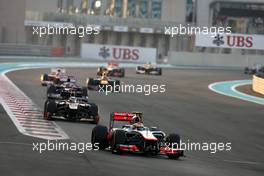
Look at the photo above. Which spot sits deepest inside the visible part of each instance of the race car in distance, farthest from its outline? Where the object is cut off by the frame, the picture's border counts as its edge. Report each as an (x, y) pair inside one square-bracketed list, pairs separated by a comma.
[(73, 109), (66, 90), (113, 70), (135, 137), (56, 76), (149, 69), (254, 69), (103, 82)]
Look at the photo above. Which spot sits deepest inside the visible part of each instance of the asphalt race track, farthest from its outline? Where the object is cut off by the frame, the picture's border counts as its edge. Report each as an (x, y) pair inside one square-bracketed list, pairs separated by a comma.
[(187, 107)]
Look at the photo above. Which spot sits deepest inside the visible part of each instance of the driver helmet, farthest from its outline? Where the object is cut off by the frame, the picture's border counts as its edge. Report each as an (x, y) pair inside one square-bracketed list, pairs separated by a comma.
[(137, 118), (58, 72)]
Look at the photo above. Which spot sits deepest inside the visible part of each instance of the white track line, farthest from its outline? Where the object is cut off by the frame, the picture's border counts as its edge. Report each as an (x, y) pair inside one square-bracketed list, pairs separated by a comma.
[(24, 108)]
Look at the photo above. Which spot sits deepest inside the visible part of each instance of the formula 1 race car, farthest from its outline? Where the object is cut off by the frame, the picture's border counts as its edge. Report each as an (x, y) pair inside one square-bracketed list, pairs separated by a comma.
[(74, 108), (103, 83), (113, 70), (254, 69), (56, 76), (135, 137), (66, 90), (149, 69)]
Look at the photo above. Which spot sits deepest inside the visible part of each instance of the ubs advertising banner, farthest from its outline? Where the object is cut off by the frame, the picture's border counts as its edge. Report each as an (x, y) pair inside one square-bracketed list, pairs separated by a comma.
[(118, 53), (238, 41)]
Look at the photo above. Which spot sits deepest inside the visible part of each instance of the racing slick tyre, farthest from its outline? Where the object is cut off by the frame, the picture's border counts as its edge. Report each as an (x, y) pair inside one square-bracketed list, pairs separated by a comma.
[(44, 77), (49, 109), (84, 91), (46, 115), (93, 112), (99, 135), (173, 139), (89, 83), (246, 70), (122, 70), (159, 71), (51, 89), (119, 138)]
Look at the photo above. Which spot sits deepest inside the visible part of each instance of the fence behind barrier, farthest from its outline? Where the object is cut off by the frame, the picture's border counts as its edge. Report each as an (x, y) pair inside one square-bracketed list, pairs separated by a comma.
[(30, 50)]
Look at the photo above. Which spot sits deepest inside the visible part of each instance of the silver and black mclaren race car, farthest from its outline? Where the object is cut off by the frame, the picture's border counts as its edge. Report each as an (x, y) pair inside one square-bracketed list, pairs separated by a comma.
[(134, 137), (73, 109), (112, 70), (56, 76), (149, 69)]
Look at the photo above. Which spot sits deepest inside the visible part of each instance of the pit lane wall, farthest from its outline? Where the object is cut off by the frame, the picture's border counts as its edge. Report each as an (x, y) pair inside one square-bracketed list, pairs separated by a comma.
[(213, 60), (258, 84)]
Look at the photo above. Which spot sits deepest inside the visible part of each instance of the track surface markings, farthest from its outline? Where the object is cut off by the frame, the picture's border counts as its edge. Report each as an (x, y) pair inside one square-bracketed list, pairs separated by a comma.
[(25, 114), (228, 88)]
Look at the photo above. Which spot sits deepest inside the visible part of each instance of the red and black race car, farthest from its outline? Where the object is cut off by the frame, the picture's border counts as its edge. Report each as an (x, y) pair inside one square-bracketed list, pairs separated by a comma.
[(56, 76), (113, 70), (133, 136)]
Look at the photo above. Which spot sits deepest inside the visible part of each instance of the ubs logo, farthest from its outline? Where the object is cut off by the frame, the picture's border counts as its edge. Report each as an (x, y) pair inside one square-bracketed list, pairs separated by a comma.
[(218, 40), (104, 52)]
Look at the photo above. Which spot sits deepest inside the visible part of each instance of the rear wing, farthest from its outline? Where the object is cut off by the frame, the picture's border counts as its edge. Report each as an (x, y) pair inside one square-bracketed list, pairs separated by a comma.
[(113, 64), (121, 116), (55, 70)]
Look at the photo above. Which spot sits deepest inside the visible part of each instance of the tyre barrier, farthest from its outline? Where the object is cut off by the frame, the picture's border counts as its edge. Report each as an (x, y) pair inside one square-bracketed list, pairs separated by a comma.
[(258, 84)]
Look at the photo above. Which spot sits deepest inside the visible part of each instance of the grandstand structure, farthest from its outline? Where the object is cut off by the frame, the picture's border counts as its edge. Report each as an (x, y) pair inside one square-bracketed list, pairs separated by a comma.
[(138, 23)]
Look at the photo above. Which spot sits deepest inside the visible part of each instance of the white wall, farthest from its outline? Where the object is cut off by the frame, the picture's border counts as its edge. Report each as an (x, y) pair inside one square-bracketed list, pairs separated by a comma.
[(216, 60)]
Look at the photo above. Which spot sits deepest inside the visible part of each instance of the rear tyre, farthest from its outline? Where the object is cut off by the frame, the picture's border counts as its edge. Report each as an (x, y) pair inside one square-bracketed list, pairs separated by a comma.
[(173, 139), (246, 70), (51, 89), (84, 91), (122, 72), (93, 110), (119, 138), (99, 137), (159, 71), (43, 78), (89, 83)]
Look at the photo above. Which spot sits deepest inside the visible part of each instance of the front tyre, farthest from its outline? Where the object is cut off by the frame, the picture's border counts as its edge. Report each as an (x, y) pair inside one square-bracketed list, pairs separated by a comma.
[(173, 139), (119, 138), (49, 108), (99, 136)]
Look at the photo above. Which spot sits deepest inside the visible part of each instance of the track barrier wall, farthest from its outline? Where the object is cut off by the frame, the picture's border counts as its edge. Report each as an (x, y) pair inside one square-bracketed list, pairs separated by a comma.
[(214, 60), (258, 84)]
